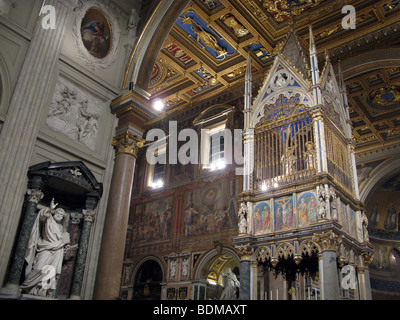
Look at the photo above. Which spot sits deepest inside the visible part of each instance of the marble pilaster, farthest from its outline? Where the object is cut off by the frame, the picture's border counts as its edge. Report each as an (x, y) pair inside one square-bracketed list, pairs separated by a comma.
[(23, 118)]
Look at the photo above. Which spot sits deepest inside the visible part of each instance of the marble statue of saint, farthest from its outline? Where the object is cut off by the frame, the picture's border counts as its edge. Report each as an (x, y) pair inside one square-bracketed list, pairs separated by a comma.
[(45, 252), (243, 218), (231, 284)]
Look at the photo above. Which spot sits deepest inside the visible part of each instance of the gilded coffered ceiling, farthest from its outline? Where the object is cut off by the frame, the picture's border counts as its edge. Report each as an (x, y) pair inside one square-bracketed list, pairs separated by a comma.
[(204, 54)]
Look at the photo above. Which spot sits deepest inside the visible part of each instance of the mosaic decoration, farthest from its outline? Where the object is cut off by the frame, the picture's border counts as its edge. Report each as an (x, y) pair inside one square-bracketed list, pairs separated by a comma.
[(205, 36), (307, 208)]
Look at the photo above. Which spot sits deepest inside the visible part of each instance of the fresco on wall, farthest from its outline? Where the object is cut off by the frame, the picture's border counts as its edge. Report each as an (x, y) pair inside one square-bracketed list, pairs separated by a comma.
[(152, 220), (284, 213), (262, 218), (383, 208), (211, 209), (307, 208), (96, 33)]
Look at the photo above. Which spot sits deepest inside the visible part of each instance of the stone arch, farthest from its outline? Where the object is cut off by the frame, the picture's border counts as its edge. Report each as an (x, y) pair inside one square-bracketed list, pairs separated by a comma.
[(263, 254), (147, 268), (380, 173), (374, 59), (308, 247), (149, 43), (210, 255), (209, 273), (285, 251)]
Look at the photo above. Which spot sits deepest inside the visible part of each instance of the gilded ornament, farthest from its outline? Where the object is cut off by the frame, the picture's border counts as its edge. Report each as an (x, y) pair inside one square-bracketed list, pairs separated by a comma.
[(128, 143), (327, 240)]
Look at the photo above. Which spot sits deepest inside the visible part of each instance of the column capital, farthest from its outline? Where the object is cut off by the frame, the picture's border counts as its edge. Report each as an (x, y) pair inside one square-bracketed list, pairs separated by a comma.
[(245, 251), (327, 240), (89, 215), (34, 195), (128, 143)]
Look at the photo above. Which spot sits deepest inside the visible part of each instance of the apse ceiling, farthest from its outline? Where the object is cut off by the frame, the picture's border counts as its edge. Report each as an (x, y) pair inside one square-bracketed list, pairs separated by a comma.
[(205, 53)]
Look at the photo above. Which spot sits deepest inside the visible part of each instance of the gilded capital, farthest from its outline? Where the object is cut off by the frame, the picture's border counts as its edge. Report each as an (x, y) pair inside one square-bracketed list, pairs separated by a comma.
[(244, 251), (128, 143), (327, 240)]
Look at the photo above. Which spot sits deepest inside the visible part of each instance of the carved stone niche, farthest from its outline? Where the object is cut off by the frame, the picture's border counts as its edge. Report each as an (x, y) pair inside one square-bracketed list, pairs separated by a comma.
[(73, 188)]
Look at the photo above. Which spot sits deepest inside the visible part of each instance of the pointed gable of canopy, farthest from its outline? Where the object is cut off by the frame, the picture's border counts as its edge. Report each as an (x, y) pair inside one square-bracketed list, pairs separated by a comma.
[(286, 81), (332, 98)]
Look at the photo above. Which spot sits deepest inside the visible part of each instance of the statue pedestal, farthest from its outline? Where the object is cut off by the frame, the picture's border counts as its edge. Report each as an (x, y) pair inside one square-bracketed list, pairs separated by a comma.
[(10, 292)]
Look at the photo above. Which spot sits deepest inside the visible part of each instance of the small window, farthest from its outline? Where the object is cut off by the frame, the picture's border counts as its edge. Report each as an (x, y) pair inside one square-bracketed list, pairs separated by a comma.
[(213, 147), (156, 171)]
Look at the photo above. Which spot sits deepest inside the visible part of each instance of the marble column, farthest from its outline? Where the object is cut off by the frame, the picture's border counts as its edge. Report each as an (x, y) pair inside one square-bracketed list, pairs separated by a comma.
[(109, 272), (328, 272), (245, 252), (363, 276), (34, 195), (253, 280), (19, 133), (79, 270)]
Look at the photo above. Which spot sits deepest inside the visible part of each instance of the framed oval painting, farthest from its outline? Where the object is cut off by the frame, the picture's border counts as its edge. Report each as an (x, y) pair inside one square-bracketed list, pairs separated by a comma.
[(96, 33)]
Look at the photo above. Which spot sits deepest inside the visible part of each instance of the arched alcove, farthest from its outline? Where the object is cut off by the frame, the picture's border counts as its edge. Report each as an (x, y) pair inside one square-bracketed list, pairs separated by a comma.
[(211, 273), (147, 280)]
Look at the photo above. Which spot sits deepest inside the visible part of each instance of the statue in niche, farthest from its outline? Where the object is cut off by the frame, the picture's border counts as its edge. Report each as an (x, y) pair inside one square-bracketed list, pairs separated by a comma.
[(243, 218), (185, 267), (45, 252), (172, 269), (333, 204), (231, 286), (310, 155), (322, 203), (288, 161)]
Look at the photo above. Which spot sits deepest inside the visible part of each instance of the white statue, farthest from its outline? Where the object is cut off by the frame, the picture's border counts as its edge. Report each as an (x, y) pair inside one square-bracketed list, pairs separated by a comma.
[(322, 203), (172, 269), (242, 215), (185, 267), (231, 284), (45, 252)]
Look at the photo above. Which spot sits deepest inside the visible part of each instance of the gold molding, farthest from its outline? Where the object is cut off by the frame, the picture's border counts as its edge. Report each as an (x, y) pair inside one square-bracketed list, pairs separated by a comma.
[(128, 143)]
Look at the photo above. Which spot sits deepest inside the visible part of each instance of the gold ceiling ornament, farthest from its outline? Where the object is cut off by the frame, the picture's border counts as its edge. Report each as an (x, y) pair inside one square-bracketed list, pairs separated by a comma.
[(385, 96), (231, 22), (128, 143), (281, 10), (327, 240)]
